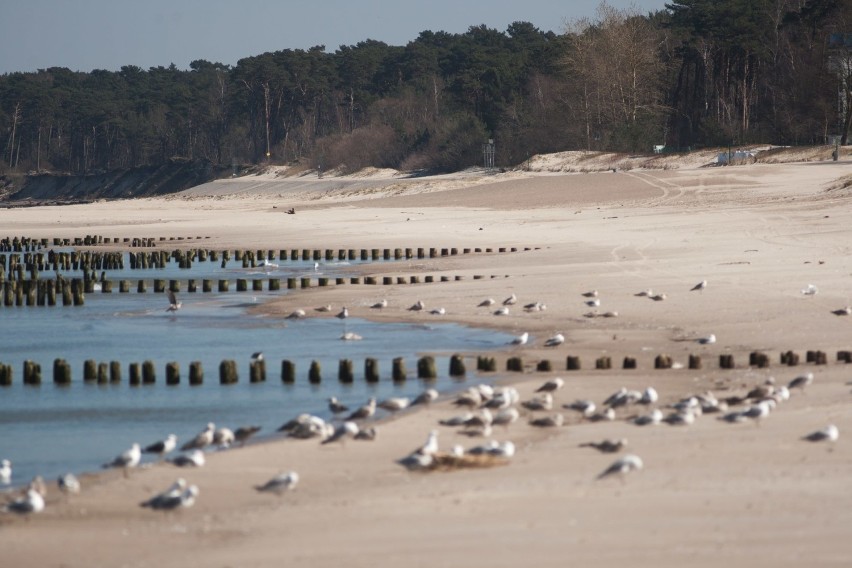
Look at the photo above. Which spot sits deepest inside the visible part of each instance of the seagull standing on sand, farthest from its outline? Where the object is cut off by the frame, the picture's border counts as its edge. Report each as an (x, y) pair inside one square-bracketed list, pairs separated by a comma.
[(243, 433), (32, 502), (202, 440), (699, 287), (417, 306), (366, 411), (127, 459), (487, 303), (607, 446), (557, 339), (325, 308), (280, 484), (380, 305), (5, 472), (68, 484), (162, 447), (511, 300), (174, 305), (623, 466), (552, 385), (430, 447), (195, 458), (521, 339), (801, 381)]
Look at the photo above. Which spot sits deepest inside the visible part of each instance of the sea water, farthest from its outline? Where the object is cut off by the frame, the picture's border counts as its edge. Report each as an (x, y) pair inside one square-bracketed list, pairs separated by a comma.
[(48, 430)]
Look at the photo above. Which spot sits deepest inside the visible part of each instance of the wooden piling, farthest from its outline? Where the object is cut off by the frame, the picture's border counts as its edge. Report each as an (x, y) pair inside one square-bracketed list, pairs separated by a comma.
[(196, 373), (90, 370), (726, 361), (629, 363), (228, 372), (515, 364), (572, 363), (344, 371), (5, 375), (399, 373), (103, 373), (457, 367), (242, 284), (149, 372), (288, 372), (115, 372), (32, 373), (371, 370), (603, 363), (694, 362), (223, 285), (315, 373), (544, 366), (257, 371), (663, 362), (426, 368), (61, 372)]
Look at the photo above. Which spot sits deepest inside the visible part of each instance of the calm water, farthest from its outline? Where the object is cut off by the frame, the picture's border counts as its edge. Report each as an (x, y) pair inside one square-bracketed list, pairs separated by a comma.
[(48, 430)]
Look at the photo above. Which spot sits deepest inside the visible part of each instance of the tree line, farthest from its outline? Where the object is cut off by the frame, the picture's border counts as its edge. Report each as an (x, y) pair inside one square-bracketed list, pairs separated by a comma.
[(698, 73)]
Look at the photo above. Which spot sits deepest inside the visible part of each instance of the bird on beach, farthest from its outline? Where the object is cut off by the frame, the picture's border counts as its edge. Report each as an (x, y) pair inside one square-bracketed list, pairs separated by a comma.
[(343, 314), (380, 305), (296, 314), (699, 287), (223, 438), (544, 402), (280, 484), (584, 407), (654, 418), (336, 406), (161, 447), (194, 458), (552, 385), (438, 311), (535, 307), (430, 446), (555, 420), (366, 411), (810, 290), (325, 308), (127, 459), (607, 446), (520, 339), (590, 294), (593, 303), (426, 397), (201, 440), (504, 311), (623, 466), (844, 311), (395, 404), (801, 381), (181, 500), (174, 490), (658, 297), (417, 306), (707, 340), (5, 472), (174, 305), (828, 434), (487, 303), (243, 433), (343, 431), (555, 340), (511, 300), (506, 417), (68, 484), (31, 502)]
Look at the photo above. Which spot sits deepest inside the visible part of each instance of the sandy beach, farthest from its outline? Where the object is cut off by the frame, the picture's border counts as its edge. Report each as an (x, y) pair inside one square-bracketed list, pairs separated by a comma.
[(711, 493)]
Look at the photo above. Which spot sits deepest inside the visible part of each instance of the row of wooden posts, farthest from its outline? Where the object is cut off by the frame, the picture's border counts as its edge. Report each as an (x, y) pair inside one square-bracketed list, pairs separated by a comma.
[(72, 292), (145, 373), (27, 244)]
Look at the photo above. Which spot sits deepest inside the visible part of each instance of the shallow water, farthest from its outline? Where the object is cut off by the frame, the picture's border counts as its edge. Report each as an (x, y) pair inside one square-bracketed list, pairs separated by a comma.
[(48, 429)]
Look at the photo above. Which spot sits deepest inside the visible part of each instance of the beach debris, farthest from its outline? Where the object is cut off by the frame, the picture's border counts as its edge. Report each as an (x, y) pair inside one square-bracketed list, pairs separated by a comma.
[(174, 305), (5, 472), (699, 287), (280, 484), (828, 434), (551, 385), (68, 484), (555, 340), (202, 439), (608, 446), (623, 466), (810, 290), (194, 458), (162, 447)]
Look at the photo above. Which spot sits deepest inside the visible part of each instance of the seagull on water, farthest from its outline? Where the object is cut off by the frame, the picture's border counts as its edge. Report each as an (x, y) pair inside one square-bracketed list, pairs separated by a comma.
[(194, 458), (557, 339), (5, 472), (68, 484), (202, 440), (699, 287), (31, 502), (623, 466), (828, 434), (174, 305), (162, 447), (280, 484), (521, 339)]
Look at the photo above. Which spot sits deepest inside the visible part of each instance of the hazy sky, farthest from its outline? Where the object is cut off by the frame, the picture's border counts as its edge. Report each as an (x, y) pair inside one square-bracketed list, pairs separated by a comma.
[(106, 34)]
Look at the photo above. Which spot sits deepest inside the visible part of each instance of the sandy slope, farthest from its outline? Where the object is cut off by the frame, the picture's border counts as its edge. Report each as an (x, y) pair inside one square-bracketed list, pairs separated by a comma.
[(711, 494)]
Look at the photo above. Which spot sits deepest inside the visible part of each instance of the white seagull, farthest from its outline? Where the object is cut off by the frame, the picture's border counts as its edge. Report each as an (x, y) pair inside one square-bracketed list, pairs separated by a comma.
[(174, 305), (551, 385), (426, 397), (173, 492), (828, 434), (430, 447), (223, 437), (194, 458), (296, 314), (5, 472), (202, 440), (521, 339), (343, 431), (438, 312), (380, 305), (488, 302), (511, 300), (810, 290), (336, 406), (68, 484), (700, 286), (162, 447), (127, 459), (708, 340), (504, 311), (417, 306), (623, 466), (395, 404), (557, 339), (801, 381), (366, 411), (32, 502), (183, 499), (280, 484)]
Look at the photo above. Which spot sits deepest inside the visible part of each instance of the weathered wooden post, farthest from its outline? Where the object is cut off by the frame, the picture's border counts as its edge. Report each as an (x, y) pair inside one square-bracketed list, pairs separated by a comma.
[(32, 373), (344, 371), (141, 287), (315, 373), (257, 285), (274, 284), (399, 371), (242, 285), (61, 372), (371, 370), (544, 366), (5, 375), (149, 372), (228, 372), (134, 370), (457, 367), (572, 363), (257, 371), (223, 285), (90, 370), (515, 364), (426, 368), (196, 373), (115, 371), (288, 372), (207, 285), (172, 373), (103, 373), (694, 361), (629, 363)]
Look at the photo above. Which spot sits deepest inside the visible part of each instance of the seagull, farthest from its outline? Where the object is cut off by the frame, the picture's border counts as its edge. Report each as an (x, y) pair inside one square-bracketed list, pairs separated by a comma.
[(658, 297), (830, 433), (645, 293), (504, 311), (557, 339), (174, 305), (68, 484), (351, 336), (426, 397), (551, 385), (336, 406), (243, 433), (548, 421), (257, 356), (380, 305), (127, 459), (365, 411), (194, 458), (623, 466), (417, 306), (417, 461), (801, 381), (845, 311), (430, 447), (202, 440), (590, 294), (607, 446), (5, 472), (326, 308), (368, 435), (585, 407), (649, 396), (223, 437), (520, 339), (708, 340), (810, 290), (183, 499), (280, 484), (173, 492), (162, 447), (511, 300), (438, 312), (486, 303), (700, 286), (593, 303), (545, 402), (506, 416), (535, 307), (348, 429), (32, 502), (654, 418), (343, 314), (456, 420), (296, 314), (395, 404)]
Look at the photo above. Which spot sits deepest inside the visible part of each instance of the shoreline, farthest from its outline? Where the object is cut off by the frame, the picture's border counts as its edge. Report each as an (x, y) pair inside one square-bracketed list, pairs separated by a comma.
[(711, 491)]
